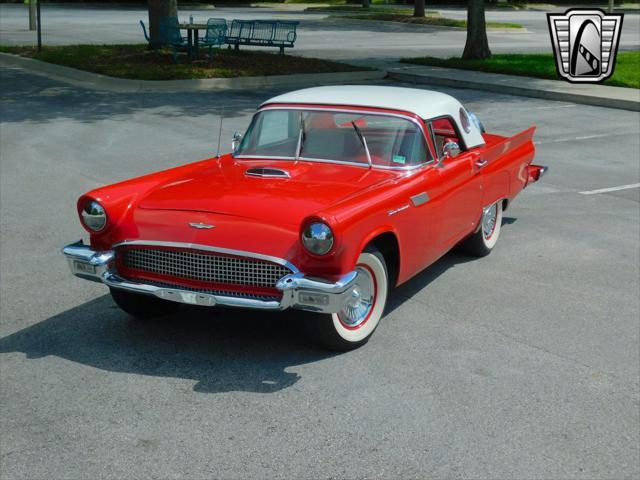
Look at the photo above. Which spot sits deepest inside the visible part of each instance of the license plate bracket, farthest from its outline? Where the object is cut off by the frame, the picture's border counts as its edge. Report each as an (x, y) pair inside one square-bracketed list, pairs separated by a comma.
[(83, 267)]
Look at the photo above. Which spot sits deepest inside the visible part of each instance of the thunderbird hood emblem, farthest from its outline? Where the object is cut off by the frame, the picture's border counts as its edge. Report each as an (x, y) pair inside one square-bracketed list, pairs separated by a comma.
[(201, 226)]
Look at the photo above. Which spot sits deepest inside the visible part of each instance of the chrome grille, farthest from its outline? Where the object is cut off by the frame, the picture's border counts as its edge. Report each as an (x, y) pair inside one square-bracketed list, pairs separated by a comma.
[(205, 267)]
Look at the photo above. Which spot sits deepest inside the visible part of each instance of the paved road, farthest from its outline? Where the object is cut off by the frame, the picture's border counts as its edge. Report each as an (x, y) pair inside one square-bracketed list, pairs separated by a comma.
[(334, 39), (524, 364)]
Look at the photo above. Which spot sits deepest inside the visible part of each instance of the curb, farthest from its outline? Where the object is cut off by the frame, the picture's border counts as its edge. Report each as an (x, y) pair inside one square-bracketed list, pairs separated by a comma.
[(596, 95), (96, 81)]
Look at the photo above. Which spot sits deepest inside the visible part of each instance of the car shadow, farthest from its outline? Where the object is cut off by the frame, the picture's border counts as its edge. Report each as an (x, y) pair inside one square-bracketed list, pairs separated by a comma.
[(423, 279), (222, 350)]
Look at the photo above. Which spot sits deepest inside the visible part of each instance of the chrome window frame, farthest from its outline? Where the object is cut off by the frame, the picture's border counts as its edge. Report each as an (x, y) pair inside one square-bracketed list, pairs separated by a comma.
[(434, 158), (456, 127)]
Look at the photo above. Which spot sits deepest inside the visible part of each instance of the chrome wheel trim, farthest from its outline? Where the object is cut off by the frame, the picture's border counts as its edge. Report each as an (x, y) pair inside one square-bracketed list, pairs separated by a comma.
[(358, 308), (489, 217)]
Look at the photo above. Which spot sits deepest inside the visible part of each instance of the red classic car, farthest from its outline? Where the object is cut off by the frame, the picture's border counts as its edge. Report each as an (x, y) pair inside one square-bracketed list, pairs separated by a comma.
[(333, 196)]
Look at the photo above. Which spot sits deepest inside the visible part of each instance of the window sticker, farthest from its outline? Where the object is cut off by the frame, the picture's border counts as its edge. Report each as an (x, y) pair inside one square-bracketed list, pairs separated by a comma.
[(399, 159)]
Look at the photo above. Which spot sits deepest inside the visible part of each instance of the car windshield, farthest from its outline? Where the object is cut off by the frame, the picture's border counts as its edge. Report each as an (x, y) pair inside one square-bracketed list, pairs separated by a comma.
[(334, 136)]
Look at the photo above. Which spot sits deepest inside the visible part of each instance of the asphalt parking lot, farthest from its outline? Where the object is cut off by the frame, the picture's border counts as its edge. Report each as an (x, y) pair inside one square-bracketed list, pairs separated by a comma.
[(523, 364)]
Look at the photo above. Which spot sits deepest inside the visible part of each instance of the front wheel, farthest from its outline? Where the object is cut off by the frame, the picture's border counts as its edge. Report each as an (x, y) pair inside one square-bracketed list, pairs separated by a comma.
[(355, 323), (482, 242)]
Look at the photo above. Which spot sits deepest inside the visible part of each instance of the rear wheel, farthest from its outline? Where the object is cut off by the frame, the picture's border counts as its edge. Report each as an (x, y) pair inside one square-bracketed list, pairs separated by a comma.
[(482, 242), (355, 323), (140, 305)]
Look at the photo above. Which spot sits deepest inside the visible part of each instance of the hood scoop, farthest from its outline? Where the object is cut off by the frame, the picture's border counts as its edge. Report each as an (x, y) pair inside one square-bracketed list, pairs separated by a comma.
[(267, 172)]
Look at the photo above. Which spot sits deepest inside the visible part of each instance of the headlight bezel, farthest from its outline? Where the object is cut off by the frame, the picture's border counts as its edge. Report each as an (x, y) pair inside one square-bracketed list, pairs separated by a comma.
[(93, 216), (317, 238)]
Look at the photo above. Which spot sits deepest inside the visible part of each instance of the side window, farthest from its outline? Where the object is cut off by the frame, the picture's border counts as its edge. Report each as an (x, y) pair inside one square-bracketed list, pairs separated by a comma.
[(444, 130)]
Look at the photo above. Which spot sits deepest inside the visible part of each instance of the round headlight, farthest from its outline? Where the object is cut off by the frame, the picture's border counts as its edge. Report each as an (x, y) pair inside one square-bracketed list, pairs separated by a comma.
[(93, 216), (317, 238)]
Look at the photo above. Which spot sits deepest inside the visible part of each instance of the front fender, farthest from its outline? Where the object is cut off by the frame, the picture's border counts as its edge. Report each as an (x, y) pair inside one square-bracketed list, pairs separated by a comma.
[(120, 199)]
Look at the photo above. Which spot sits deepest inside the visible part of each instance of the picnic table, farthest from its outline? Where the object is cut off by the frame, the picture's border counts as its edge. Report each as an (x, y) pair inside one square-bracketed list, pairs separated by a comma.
[(263, 33), (193, 38)]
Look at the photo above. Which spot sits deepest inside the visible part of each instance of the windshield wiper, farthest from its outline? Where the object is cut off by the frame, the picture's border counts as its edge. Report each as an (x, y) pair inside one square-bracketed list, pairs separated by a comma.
[(364, 143), (301, 138)]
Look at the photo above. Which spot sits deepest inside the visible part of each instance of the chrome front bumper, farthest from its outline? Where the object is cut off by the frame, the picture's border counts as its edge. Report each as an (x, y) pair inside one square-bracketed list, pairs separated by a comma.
[(298, 291)]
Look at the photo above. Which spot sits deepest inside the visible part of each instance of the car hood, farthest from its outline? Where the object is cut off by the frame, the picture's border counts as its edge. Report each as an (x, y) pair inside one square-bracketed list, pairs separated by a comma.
[(223, 187)]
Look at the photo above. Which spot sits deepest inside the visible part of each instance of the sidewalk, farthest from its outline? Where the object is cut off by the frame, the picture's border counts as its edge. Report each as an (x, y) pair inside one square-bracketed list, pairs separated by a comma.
[(587, 94)]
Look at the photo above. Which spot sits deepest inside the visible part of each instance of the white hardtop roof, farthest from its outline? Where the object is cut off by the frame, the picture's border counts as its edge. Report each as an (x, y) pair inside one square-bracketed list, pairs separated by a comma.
[(424, 103)]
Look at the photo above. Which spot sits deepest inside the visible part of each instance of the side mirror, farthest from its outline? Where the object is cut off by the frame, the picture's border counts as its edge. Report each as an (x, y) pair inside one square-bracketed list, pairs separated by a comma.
[(235, 141), (451, 150)]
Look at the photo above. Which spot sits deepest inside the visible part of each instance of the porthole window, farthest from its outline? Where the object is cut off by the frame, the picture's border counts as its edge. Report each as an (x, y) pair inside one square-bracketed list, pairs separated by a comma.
[(464, 120)]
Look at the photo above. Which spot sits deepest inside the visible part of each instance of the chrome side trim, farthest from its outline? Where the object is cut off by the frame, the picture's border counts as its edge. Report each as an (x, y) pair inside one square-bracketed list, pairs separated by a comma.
[(398, 210), (207, 248), (420, 199)]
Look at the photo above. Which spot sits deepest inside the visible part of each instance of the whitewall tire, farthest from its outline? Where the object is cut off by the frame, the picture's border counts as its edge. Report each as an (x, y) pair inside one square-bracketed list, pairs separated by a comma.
[(484, 240), (356, 322)]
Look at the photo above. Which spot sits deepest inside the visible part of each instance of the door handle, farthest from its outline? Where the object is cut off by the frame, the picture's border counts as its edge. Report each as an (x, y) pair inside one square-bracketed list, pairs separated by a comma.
[(481, 162)]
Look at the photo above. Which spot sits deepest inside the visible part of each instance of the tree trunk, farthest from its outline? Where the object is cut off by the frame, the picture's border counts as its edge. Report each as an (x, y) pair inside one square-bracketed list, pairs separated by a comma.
[(418, 9), (32, 14), (157, 10), (366, 3), (477, 46)]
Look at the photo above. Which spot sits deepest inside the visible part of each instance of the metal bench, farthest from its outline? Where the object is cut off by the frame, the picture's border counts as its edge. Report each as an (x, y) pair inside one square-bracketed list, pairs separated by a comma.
[(262, 33), (216, 34)]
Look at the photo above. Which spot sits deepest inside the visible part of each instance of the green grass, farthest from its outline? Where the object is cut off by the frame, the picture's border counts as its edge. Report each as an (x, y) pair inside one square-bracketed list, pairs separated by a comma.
[(428, 20), (539, 65), (138, 62)]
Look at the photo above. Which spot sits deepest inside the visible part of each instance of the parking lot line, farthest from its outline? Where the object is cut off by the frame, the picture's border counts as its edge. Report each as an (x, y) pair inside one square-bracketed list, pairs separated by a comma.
[(572, 139), (611, 189)]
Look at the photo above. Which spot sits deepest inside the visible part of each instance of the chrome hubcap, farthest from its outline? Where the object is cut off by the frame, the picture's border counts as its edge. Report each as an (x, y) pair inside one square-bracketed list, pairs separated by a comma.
[(358, 307), (489, 216)]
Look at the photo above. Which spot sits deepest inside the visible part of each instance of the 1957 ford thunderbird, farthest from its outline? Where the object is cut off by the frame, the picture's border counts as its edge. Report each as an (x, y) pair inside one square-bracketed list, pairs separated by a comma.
[(333, 196)]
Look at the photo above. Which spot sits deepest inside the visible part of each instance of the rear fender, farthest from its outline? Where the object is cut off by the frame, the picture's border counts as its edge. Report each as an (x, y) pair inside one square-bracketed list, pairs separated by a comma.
[(507, 164)]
